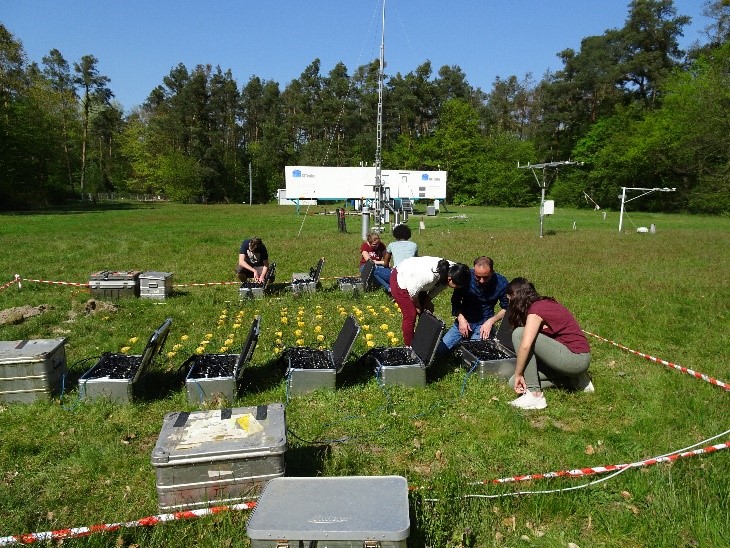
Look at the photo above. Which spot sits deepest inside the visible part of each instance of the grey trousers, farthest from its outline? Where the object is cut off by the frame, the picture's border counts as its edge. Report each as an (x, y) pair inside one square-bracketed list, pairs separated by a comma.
[(550, 361)]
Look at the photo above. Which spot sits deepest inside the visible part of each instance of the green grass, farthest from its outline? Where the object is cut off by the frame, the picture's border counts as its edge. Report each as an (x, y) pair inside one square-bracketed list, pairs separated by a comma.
[(67, 463)]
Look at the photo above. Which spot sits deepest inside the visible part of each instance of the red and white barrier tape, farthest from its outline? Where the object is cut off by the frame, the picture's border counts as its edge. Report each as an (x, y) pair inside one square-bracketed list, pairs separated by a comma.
[(56, 283), (580, 472), (15, 280), (76, 532), (206, 284), (678, 367)]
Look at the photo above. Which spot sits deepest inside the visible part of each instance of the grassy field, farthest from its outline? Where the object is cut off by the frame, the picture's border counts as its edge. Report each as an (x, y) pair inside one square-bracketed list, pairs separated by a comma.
[(67, 462)]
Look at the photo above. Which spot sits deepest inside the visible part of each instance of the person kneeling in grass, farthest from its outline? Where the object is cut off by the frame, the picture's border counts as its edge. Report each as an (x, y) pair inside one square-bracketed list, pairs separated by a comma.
[(551, 347)]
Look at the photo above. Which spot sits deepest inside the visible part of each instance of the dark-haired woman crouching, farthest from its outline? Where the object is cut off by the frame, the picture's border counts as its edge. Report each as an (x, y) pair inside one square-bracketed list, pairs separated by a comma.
[(551, 347)]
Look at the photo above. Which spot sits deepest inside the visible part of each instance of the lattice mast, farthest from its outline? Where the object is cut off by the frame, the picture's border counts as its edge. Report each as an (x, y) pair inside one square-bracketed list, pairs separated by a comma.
[(379, 190)]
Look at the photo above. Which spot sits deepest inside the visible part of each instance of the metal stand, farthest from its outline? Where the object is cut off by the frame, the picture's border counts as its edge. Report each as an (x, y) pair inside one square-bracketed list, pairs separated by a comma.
[(645, 191)]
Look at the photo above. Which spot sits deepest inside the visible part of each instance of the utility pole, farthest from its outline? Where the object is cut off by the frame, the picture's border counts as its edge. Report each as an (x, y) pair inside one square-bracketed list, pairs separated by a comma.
[(545, 181)]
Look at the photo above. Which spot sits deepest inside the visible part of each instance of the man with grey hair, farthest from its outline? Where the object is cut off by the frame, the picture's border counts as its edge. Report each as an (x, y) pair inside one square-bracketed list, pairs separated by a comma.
[(473, 305)]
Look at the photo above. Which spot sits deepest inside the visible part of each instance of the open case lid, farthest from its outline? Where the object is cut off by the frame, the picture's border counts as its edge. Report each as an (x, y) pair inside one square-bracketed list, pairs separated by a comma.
[(427, 336), (366, 275), (248, 348), (504, 334), (270, 275), (344, 343), (154, 346), (316, 272)]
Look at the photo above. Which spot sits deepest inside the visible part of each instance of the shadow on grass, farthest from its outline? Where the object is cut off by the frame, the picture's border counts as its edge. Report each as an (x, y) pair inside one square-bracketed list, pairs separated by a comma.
[(264, 377), (74, 208), (306, 460)]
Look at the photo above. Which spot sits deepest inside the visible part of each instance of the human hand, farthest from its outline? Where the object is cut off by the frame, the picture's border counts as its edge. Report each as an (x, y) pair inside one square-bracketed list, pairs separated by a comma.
[(485, 331), (520, 384), (464, 327)]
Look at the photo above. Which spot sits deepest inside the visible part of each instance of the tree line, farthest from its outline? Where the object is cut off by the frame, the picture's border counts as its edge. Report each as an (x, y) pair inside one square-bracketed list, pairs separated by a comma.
[(629, 105)]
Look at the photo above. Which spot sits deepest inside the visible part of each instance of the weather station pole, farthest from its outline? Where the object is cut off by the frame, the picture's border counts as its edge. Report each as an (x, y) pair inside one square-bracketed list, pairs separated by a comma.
[(545, 181), (644, 192), (379, 205)]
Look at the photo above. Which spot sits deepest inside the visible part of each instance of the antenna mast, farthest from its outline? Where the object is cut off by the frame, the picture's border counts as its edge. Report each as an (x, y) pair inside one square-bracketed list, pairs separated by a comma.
[(379, 198)]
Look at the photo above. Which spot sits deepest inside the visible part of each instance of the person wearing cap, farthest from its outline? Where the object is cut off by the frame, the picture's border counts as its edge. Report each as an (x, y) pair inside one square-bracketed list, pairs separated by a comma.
[(253, 260), (473, 306), (416, 281)]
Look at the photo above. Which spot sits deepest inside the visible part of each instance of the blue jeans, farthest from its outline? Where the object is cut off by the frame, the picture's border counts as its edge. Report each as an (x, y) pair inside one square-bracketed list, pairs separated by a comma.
[(453, 337), (381, 275)]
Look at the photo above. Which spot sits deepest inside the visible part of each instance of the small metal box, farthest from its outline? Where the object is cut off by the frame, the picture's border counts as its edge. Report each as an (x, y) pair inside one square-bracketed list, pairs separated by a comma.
[(489, 356), (206, 458), (332, 512), (212, 376), (108, 284), (407, 365), (303, 282), (354, 284), (155, 285), (256, 290), (114, 376), (31, 370), (311, 369)]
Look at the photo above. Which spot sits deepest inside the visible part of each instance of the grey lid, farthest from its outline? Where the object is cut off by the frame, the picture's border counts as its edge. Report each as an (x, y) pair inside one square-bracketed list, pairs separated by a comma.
[(344, 342), (318, 270), (247, 348), (155, 275), (366, 275), (214, 436), (28, 350), (427, 336), (332, 509), (154, 346)]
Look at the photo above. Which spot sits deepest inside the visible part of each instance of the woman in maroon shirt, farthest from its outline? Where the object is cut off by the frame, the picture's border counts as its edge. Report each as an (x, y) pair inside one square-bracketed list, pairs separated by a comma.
[(551, 347)]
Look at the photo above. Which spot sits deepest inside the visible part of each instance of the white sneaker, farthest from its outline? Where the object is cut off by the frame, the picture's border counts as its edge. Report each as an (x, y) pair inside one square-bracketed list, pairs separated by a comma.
[(583, 383), (528, 401)]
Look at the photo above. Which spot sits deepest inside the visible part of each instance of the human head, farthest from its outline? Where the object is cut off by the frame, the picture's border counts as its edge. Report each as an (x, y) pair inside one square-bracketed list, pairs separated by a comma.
[(456, 273), (521, 294), (372, 237), (401, 232), (254, 243), (483, 269)]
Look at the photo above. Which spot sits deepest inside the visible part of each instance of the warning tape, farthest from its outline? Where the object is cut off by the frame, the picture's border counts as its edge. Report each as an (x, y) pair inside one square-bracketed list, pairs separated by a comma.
[(206, 284), (678, 367), (56, 283), (580, 472), (15, 280), (76, 532)]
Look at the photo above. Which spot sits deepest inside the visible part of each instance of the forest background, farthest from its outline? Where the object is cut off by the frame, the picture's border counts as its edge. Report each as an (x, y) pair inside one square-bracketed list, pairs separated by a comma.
[(629, 104)]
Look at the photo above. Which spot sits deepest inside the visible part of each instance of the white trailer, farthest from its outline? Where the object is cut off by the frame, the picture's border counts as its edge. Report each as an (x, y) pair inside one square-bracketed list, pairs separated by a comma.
[(342, 183)]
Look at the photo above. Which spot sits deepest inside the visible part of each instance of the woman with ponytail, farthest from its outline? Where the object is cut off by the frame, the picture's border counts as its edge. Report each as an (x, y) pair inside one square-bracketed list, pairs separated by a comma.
[(551, 347), (417, 280)]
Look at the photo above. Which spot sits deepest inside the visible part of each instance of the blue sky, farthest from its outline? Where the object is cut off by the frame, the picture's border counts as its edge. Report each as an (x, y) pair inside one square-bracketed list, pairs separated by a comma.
[(137, 42)]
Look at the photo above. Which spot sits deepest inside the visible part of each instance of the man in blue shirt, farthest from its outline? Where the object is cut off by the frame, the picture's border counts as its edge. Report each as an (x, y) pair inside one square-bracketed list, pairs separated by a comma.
[(473, 305)]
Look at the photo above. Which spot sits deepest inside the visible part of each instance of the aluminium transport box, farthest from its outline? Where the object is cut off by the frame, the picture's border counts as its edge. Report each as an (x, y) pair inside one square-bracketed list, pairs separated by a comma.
[(31, 369), (332, 512), (114, 376), (310, 369), (358, 284), (109, 284), (207, 458), (490, 356), (405, 365), (155, 285), (213, 376), (256, 290), (303, 282)]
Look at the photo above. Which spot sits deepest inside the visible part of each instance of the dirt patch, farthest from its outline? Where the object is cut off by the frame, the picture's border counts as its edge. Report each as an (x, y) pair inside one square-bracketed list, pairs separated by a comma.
[(18, 314), (92, 306)]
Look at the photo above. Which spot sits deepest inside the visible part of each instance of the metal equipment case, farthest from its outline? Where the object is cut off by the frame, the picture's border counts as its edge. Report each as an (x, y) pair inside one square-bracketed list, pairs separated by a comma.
[(307, 282), (211, 376), (353, 284), (108, 284), (310, 368), (332, 512), (407, 365), (212, 457), (31, 370), (155, 285), (489, 356), (114, 376), (256, 290)]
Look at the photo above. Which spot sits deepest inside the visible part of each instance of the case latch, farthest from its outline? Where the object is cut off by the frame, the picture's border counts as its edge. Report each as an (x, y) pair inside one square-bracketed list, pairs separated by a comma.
[(371, 544)]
